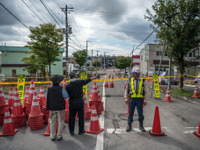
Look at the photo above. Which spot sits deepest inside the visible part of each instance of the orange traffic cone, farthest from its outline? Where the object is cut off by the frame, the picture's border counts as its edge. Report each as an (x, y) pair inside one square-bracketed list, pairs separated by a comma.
[(42, 96), (26, 95), (17, 107), (35, 118), (35, 108), (2, 98), (156, 130), (94, 93), (8, 127), (197, 134), (94, 123), (111, 84), (98, 93), (64, 83), (31, 91), (86, 109), (106, 84), (125, 85), (18, 116), (10, 98), (167, 97), (195, 95)]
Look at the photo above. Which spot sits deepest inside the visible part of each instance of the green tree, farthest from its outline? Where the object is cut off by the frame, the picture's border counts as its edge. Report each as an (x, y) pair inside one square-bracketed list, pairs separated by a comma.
[(178, 28), (80, 57), (122, 63), (96, 63), (45, 43)]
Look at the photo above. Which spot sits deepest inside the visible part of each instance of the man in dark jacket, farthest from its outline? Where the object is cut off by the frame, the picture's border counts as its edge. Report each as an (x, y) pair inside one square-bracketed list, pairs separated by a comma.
[(76, 102), (56, 105)]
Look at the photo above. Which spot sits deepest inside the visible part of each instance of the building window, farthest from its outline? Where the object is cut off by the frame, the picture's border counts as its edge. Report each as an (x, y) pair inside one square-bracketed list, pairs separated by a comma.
[(14, 72), (192, 54), (158, 53)]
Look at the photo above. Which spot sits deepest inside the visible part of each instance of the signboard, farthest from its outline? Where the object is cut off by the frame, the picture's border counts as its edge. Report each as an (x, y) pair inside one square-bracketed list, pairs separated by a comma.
[(156, 85), (20, 86), (84, 77)]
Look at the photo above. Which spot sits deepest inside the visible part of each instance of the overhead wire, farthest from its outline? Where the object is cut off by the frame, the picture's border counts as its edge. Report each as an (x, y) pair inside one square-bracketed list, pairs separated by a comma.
[(13, 15), (32, 10), (38, 11), (50, 13)]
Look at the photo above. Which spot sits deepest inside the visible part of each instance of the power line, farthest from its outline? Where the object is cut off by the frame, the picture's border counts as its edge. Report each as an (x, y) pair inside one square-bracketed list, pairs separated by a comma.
[(38, 10), (14, 15), (50, 13), (32, 10), (74, 47), (75, 43), (146, 38)]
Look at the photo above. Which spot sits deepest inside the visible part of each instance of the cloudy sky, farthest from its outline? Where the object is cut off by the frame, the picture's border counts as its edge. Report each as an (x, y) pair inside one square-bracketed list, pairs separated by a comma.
[(113, 26)]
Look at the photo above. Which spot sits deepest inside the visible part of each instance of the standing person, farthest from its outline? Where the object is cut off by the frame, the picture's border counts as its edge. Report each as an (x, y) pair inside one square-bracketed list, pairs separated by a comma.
[(56, 105), (76, 102), (135, 90)]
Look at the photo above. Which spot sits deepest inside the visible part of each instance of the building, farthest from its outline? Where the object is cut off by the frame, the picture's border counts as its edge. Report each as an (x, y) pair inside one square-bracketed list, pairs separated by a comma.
[(150, 59), (12, 64)]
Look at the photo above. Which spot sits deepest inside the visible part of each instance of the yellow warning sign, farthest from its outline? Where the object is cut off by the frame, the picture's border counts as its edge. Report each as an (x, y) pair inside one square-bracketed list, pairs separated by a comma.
[(20, 87), (156, 85), (84, 77)]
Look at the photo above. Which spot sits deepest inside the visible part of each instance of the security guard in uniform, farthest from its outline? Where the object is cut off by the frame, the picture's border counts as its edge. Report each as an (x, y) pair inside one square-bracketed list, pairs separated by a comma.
[(135, 90)]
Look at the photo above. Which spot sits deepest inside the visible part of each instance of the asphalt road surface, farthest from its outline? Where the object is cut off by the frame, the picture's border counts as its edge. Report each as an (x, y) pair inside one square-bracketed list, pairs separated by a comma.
[(178, 119)]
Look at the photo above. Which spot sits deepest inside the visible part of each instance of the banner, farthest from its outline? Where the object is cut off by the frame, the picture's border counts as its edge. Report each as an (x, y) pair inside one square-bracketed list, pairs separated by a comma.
[(20, 86), (84, 77), (156, 85)]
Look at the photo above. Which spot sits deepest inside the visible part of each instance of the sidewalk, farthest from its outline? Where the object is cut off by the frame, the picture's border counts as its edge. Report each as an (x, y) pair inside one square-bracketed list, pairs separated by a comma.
[(185, 98)]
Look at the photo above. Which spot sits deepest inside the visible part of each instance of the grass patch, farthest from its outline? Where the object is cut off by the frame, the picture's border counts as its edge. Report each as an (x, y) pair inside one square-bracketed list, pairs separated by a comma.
[(182, 93)]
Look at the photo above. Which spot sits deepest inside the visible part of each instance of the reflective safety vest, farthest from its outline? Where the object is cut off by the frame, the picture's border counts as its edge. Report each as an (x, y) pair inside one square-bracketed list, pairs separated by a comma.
[(134, 95)]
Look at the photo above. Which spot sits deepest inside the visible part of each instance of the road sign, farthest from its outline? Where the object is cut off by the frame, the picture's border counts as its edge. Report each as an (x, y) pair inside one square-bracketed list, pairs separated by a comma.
[(156, 85), (20, 86), (84, 77)]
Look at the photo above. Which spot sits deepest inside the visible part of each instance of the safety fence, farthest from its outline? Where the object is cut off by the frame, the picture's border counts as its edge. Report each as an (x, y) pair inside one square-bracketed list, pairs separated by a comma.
[(188, 79)]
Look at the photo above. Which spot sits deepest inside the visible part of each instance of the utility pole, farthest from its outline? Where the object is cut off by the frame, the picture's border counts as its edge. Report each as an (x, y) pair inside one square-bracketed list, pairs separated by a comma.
[(87, 46), (161, 57), (104, 60), (169, 81), (65, 10), (97, 60)]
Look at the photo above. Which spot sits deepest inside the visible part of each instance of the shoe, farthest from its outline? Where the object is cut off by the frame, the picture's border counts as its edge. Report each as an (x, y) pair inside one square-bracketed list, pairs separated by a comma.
[(129, 128), (81, 132), (141, 127), (53, 139), (59, 139), (72, 133)]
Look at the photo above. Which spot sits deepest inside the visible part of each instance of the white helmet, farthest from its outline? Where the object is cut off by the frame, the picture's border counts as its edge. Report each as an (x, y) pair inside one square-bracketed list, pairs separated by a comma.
[(135, 70)]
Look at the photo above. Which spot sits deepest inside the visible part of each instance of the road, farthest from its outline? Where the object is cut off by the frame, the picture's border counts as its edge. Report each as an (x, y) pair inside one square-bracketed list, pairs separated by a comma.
[(178, 119)]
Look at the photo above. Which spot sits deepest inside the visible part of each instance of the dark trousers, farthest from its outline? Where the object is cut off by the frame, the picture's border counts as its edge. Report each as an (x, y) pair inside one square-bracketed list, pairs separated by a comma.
[(139, 103), (73, 110)]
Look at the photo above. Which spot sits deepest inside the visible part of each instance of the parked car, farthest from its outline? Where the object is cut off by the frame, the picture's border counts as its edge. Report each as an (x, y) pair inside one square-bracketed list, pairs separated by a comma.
[(197, 80), (165, 81)]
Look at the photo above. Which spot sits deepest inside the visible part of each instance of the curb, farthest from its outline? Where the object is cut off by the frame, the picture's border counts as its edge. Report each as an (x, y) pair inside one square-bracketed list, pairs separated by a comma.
[(180, 97)]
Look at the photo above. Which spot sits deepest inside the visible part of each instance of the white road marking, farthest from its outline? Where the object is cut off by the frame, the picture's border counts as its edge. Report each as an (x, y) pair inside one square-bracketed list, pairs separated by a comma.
[(100, 136), (136, 130)]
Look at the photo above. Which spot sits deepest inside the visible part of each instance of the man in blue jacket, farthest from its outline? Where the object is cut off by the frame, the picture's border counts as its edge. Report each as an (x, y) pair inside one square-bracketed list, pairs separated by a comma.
[(56, 106), (76, 102)]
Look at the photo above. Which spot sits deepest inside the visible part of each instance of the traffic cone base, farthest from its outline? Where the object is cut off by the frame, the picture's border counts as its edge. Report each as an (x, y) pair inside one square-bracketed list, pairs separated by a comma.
[(196, 134), (156, 134), (10, 134), (95, 132)]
